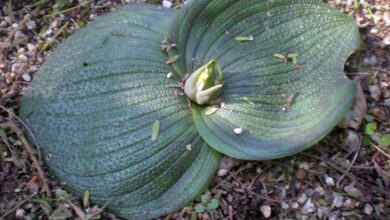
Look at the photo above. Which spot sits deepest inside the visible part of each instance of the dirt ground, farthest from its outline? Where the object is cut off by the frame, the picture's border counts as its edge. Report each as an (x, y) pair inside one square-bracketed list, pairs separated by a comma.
[(345, 176)]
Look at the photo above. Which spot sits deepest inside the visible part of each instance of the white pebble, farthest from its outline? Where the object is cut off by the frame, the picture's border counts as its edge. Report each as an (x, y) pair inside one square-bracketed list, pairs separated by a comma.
[(338, 202), (321, 211), (26, 77), (169, 75), (31, 47), (308, 207), (320, 190), (284, 205), (332, 216), (386, 41), (31, 25), (304, 165), (189, 146), (238, 130), (222, 172), (20, 213), (167, 4), (22, 57), (266, 211), (348, 204), (329, 180), (302, 198), (368, 209)]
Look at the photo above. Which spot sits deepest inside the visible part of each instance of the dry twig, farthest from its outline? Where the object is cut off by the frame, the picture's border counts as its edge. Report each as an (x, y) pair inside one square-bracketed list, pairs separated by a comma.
[(77, 210), (19, 133), (351, 164), (12, 115), (20, 203), (381, 151)]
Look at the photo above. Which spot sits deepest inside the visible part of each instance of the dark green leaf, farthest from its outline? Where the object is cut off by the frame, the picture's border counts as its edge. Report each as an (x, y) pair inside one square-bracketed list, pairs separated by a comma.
[(213, 204), (366, 142), (199, 208), (112, 72), (369, 118), (370, 128), (322, 39), (205, 197), (384, 141)]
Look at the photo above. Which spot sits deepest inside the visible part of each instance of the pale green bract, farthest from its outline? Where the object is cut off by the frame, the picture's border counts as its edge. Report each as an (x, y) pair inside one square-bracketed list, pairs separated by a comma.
[(110, 122)]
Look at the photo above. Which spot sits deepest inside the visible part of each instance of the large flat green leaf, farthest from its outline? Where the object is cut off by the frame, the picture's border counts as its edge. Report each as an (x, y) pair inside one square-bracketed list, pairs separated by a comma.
[(92, 108), (282, 108)]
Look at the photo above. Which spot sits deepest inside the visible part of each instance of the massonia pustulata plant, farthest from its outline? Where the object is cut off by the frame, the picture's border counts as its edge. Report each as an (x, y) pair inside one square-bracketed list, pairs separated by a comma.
[(138, 107)]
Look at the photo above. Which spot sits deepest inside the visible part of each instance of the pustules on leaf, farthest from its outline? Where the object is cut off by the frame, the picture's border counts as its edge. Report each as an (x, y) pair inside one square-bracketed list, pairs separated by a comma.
[(167, 153), (205, 84)]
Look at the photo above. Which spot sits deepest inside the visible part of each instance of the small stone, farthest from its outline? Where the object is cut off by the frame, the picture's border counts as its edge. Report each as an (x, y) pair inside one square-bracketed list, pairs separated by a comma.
[(19, 35), (386, 18), (20, 213), (368, 209), (285, 206), (329, 180), (384, 84), (373, 60), (26, 77), (3, 24), (352, 141), (332, 216), (238, 130), (48, 32), (375, 92), (304, 165), (308, 207), (386, 41), (300, 174), (320, 190), (31, 47), (31, 25), (17, 190), (167, 4), (353, 191), (374, 30), (189, 146), (222, 172), (16, 68), (15, 25), (309, 192), (348, 204), (338, 202), (302, 199), (294, 205), (22, 57), (266, 211), (169, 75), (321, 211)]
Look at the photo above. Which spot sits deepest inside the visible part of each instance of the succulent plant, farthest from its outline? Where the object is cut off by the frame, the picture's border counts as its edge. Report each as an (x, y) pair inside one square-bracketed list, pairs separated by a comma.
[(137, 107)]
